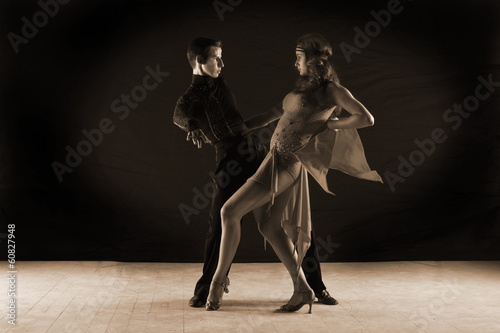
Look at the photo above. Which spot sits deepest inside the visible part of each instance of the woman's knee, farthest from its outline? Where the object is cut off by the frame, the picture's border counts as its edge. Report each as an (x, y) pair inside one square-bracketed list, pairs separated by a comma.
[(229, 214)]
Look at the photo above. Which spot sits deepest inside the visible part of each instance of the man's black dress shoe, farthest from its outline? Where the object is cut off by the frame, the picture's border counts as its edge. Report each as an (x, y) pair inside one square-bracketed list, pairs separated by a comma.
[(325, 298), (197, 302)]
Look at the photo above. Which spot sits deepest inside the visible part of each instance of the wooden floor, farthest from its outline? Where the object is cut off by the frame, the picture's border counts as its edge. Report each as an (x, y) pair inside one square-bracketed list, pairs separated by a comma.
[(152, 297)]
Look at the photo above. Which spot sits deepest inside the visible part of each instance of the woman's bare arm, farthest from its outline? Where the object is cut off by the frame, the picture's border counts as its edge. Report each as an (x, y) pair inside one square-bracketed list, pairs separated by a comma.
[(360, 117)]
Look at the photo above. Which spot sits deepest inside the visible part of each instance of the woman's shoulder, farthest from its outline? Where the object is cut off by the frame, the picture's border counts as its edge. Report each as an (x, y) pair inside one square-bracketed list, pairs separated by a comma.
[(292, 95), (327, 92), (333, 92), (333, 87)]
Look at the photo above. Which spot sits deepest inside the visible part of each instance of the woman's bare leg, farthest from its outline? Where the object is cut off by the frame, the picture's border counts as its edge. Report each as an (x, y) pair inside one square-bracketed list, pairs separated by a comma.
[(270, 228), (249, 197)]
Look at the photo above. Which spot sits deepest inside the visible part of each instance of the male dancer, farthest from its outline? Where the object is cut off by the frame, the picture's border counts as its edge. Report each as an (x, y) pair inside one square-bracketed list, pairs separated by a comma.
[(207, 111)]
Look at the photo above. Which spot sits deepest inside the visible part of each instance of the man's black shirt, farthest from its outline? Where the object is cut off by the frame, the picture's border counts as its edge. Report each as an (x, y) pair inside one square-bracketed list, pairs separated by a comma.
[(209, 105)]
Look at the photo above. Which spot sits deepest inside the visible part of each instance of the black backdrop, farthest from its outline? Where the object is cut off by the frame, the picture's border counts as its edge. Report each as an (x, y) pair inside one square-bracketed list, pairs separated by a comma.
[(67, 74)]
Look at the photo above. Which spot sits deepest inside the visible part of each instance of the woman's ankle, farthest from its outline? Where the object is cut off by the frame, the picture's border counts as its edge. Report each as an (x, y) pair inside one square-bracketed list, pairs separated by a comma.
[(218, 280), (302, 287)]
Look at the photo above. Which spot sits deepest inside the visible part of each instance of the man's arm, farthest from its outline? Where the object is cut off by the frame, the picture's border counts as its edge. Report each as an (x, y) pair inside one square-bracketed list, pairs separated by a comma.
[(183, 114), (360, 116), (183, 117), (263, 119)]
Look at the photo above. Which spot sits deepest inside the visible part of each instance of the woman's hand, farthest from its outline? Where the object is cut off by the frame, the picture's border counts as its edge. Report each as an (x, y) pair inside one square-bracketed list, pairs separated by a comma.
[(331, 124)]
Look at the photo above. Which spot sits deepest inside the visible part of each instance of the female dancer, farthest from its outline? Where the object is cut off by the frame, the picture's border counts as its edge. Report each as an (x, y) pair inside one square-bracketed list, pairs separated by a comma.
[(298, 144)]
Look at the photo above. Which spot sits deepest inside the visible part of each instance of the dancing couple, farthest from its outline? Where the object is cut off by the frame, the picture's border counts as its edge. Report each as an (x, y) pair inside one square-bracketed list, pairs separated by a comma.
[(309, 138)]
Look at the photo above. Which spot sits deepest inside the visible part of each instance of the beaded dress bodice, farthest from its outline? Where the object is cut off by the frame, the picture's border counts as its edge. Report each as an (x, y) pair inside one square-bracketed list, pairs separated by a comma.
[(300, 121)]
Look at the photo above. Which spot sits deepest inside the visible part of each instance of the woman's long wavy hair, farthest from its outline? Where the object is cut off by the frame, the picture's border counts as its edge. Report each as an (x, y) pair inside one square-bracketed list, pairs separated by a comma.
[(319, 59)]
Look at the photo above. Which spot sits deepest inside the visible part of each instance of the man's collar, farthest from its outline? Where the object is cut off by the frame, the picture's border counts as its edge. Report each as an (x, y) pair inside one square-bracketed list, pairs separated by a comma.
[(202, 80)]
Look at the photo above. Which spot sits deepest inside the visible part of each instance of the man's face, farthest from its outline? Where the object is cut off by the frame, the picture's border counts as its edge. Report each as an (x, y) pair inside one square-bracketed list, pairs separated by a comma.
[(300, 63), (213, 64)]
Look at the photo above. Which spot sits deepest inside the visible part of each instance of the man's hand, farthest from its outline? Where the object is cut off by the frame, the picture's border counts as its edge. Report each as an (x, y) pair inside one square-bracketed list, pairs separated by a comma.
[(198, 137)]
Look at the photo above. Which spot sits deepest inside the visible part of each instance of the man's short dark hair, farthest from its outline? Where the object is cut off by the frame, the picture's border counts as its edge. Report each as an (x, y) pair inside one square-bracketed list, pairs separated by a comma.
[(199, 47)]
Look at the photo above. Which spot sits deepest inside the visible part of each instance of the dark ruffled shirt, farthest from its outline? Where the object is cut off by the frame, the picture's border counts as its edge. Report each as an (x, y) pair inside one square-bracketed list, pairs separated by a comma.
[(209, 105)]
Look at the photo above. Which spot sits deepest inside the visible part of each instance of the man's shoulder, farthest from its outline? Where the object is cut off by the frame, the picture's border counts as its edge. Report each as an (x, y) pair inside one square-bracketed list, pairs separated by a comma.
[(189, 97), (221, 81)]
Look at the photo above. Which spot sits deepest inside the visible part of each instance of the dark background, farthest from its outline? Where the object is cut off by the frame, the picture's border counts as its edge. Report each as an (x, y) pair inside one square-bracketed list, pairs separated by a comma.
[(122, 201)]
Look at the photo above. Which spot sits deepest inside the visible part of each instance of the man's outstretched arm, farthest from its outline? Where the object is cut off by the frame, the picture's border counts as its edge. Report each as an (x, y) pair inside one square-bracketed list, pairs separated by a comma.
[(183, 119), (263, 119)]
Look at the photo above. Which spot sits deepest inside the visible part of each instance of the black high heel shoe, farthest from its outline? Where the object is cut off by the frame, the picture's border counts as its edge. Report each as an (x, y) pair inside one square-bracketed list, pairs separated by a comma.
[(217, 288), (307, 298)]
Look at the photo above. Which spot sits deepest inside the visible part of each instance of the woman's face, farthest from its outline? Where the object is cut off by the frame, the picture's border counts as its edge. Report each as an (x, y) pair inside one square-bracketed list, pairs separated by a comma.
[(300, 63)]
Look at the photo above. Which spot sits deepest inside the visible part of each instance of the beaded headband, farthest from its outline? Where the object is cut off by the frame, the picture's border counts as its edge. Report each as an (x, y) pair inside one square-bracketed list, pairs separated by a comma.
[(311, 51)]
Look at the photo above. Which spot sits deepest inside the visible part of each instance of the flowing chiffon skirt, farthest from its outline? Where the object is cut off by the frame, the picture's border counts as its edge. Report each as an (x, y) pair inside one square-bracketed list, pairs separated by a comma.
[(341, 150)]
